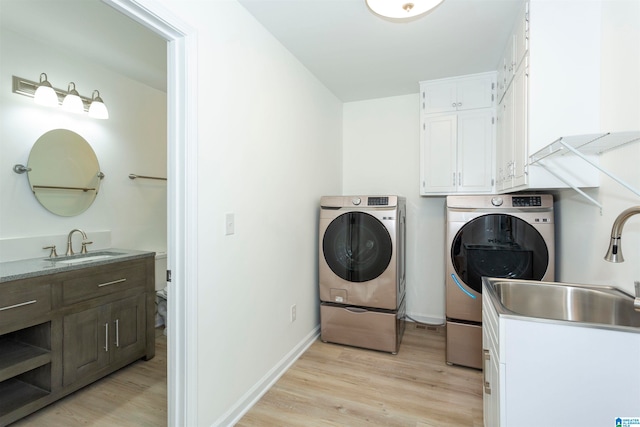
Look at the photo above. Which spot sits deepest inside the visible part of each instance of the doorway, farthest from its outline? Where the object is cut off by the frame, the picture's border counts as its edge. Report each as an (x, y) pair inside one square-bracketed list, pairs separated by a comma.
[(181, 203)]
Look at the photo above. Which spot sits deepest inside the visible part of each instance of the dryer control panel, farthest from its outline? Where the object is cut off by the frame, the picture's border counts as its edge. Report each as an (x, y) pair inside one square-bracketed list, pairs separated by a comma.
[(377, 201)]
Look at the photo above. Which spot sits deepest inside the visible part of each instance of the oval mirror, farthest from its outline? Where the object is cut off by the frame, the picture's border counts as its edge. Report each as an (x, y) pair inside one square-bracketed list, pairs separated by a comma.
[(63, 172)]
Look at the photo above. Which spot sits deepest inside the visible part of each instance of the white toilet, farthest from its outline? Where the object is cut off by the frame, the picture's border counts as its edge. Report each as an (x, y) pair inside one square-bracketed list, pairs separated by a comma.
[(161, 290)]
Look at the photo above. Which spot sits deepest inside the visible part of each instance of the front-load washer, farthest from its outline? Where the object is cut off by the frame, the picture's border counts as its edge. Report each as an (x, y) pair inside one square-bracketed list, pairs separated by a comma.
[(362, 271), (506, 236), (361, 254)]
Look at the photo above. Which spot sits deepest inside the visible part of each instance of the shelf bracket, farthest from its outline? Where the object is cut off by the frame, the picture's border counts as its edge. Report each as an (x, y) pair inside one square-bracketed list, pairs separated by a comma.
[(576, 189), (604, 171), (603, 142)]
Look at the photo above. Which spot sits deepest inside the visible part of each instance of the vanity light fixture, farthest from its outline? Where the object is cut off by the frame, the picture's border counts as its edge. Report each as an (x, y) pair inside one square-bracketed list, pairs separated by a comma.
[(45, 95), (72, 101), (402, 9), (79, 103), (97, 109)]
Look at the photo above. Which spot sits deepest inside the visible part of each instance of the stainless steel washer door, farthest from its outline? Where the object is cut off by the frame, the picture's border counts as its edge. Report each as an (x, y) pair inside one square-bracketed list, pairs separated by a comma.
[(493, 245), (357, 247), (498, 245)]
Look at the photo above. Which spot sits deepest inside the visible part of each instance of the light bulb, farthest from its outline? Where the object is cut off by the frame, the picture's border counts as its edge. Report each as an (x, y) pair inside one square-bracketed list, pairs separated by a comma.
[(97, 109), (45, 95), (72, 101)]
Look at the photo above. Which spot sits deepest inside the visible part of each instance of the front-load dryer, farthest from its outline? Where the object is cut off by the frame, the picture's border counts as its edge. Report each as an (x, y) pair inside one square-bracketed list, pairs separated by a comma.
[(362, 245), (508, 236), (362, 271)]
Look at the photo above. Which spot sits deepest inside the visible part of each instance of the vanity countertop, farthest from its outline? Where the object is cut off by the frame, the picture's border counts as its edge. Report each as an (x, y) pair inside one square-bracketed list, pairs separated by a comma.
[(33, 267)]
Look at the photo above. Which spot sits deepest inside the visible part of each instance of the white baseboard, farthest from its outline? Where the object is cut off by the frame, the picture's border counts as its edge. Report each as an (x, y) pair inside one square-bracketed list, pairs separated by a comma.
[(429, 320), (242, 406)]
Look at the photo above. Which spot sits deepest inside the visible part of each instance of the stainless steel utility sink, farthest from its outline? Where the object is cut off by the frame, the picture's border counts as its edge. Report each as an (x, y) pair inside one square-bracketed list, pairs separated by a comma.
[(89, 257), (589, 304)]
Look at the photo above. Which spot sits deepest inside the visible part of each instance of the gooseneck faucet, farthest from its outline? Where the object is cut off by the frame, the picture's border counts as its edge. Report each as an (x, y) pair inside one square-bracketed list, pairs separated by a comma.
[(69, 245), (614, 253)]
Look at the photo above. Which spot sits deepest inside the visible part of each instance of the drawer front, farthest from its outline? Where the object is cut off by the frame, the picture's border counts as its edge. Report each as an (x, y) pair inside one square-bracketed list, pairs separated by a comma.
[(361, 328), (23, 299), (102, 283)]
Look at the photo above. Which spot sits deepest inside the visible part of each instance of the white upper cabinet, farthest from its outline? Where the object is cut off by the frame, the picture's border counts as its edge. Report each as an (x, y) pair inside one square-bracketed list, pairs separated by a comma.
[(549, 87), (457, 146), (458, 93)]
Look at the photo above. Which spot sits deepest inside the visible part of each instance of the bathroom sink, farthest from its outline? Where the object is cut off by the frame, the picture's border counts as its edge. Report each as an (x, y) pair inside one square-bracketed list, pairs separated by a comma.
[(90, 257), (589, 304)]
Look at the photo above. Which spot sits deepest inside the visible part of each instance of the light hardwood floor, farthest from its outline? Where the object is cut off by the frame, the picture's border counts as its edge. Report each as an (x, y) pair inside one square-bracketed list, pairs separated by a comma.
[(135, 396), (329, 385), (334, 385)]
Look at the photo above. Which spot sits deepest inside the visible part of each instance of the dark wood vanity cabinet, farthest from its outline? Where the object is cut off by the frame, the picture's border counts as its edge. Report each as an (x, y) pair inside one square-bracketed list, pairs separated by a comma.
[(65, 330), (103, 337)]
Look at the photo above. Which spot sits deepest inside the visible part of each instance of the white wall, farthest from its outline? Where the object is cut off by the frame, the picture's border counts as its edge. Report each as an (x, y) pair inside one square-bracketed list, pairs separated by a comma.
[(583, 232), (269, 146), (381, 156), (132, 214)]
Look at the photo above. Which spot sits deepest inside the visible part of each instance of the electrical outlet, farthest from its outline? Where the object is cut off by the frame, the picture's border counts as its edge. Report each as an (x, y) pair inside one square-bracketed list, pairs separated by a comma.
[(230, 224), (293, 313)]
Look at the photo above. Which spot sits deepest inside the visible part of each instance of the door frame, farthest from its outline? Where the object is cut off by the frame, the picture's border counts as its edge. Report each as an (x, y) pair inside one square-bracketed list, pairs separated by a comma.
[(182, 233)]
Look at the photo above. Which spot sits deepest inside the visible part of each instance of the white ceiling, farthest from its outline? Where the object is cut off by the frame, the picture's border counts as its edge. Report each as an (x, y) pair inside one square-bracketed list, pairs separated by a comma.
[(356, 54), (359, 55)]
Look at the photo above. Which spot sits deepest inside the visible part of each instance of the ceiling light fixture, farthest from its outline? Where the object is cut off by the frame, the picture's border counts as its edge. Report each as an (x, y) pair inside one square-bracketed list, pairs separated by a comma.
[(72, 101), (45, 95), (97, 109), (401, 9)]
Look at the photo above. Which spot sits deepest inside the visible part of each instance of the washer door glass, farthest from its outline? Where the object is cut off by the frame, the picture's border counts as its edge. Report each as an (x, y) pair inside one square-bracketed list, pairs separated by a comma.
[(498, 245), (357, 247)]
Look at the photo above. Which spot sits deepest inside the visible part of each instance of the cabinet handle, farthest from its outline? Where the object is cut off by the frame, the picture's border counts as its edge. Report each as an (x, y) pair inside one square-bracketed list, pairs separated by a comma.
[(453, 105), (117, 333), (459, 178), (487, 385), (112, 283), (459, 104), (454, 179), (9, 307), (106, 336)]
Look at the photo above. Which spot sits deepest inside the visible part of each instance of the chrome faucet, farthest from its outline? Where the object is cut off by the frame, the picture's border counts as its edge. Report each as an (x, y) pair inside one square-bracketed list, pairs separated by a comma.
[(614, 253), (69, 245)]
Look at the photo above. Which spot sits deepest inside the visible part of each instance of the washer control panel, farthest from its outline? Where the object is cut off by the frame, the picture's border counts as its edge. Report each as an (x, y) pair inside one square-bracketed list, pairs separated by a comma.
[(526, 201)]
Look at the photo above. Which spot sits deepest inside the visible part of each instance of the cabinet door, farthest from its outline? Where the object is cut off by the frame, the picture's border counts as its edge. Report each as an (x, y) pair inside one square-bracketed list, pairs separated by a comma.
[(439, 98), (506, 140), (491, 389), (520, 131), (128, 326), (475, 151), (521, 36), (86, 344), (501, 160), (475, 92), (438, 154), (508, 62)]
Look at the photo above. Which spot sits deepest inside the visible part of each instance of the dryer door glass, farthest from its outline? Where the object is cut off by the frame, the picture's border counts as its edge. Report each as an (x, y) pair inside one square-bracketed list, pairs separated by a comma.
[(498, 245), (357, 247)]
